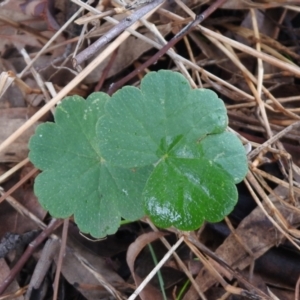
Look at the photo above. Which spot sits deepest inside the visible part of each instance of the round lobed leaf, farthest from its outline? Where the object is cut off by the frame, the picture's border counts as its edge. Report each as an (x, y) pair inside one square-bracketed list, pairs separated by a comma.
[(181, 132), (164, 144), (75, 178)]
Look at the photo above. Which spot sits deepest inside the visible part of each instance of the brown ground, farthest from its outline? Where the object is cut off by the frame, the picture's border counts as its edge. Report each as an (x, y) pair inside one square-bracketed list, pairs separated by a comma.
[(246, 51)]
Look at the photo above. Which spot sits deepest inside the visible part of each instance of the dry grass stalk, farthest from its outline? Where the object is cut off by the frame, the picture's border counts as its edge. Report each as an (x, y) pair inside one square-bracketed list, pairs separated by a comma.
[(157, 267)]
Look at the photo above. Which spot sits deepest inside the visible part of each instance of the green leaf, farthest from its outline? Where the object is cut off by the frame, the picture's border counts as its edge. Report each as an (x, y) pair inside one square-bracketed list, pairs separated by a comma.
[(181, 132), (198, 183), (160, 150), (185, 192), (75, 178), (229, 154), (140, 126)]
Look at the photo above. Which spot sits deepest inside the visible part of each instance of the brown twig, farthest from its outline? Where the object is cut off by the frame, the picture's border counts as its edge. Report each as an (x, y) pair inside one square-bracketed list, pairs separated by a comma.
[(60, 257), (106, 71), (30, 249), (170, 44), (273, 139), (115, 31)]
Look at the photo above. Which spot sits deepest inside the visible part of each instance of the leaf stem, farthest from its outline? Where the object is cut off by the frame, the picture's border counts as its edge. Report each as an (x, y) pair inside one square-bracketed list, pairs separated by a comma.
[(159, 275), (158, 266)]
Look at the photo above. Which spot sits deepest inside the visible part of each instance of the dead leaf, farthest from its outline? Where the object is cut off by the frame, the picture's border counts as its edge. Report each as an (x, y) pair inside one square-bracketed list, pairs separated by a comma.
[(10, 120), (27, 27), (128, 52), (12, 10), (81, 277), (13, 287), (12, 218), (149, 292), (43, 9)]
